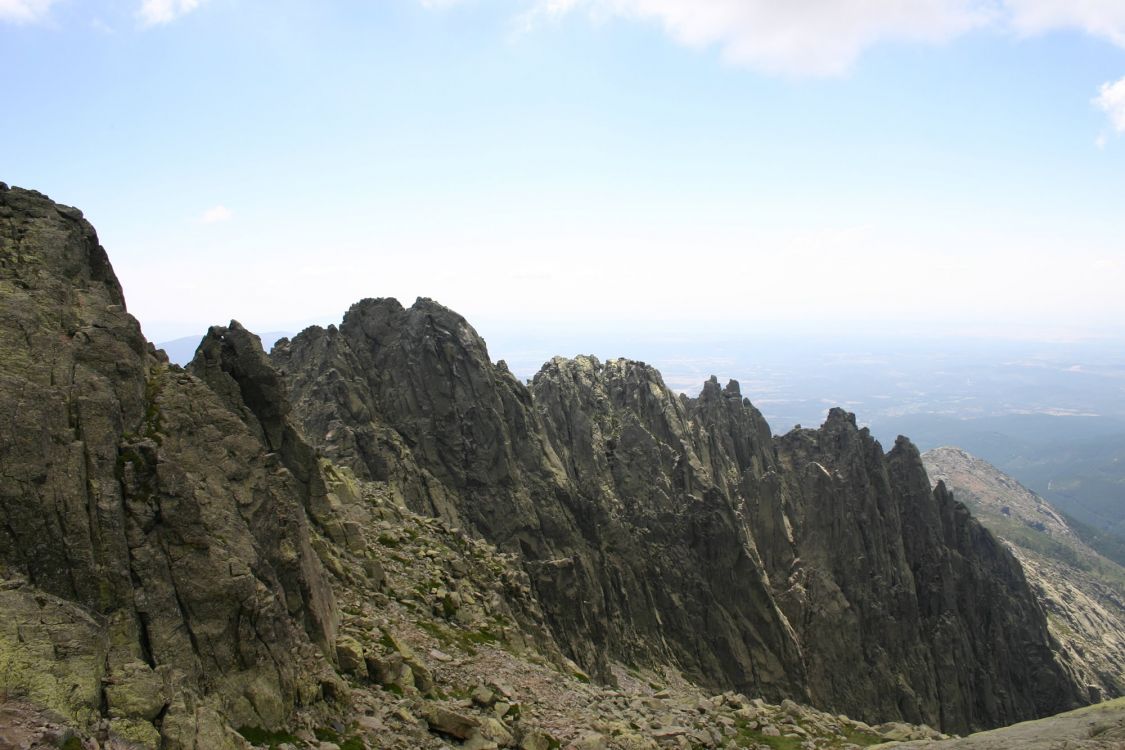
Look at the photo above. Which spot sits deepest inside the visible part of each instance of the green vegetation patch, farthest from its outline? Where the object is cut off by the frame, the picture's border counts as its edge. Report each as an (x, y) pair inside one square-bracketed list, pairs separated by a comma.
[(326, 734), (747, 737), (466, 640), (1037, 541), (753, 738), (861, 738), (259, 736), (388, 540)]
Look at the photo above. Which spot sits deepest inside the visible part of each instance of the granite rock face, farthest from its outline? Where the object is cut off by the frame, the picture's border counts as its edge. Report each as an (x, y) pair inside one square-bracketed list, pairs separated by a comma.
[(673, 553), (144, 507), (1082, 592), (658, 528), (174, 541), (899, 578)]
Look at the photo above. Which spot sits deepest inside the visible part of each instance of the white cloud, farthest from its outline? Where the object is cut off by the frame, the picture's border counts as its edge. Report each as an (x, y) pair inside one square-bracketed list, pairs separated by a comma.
[(1111, 99), (156, 12), (1104, 18), (815, 37), (24, 11), (826, 37), (216, 214)]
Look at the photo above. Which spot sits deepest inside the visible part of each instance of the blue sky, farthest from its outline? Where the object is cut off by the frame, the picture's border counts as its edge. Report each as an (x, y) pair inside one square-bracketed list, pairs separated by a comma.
[(913, 165)]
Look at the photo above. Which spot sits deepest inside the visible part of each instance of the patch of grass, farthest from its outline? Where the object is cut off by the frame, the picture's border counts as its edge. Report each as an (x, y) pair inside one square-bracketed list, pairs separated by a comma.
[(466, 640), (777, 743), (326, 734), (353, 743), (860, 737), (484, 635), (259, 736), (71, 743), (441, 634)]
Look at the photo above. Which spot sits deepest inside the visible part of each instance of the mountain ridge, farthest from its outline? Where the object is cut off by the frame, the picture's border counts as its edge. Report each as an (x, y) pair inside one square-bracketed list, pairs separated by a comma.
[(216, 542), (365, 372)]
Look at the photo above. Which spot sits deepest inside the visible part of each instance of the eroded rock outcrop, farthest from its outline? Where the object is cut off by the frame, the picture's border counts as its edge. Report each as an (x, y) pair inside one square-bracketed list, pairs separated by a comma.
[(174, 542), (143, 508), (899, 578), (657, 528)]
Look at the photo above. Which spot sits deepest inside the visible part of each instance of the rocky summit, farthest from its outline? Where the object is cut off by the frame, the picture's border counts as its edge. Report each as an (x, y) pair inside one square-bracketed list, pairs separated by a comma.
[(376, 537)]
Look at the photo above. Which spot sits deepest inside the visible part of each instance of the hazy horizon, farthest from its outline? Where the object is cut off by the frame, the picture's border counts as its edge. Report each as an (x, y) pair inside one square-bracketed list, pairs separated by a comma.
[(924, 167)]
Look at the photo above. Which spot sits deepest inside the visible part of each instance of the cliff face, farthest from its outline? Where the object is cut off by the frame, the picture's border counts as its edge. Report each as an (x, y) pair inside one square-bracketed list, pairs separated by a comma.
[(166, 532), (164, 535), (659, 528), (900, 579), (409, 397), (1082, 592)]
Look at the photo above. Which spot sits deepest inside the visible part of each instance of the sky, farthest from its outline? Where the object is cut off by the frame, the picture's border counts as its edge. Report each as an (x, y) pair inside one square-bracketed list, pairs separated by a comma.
[(636, 166)]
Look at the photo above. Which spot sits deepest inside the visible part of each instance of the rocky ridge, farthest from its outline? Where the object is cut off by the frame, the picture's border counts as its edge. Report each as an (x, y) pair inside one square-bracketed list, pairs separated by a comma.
[(343, 542), (1082, 592), (677, 522)]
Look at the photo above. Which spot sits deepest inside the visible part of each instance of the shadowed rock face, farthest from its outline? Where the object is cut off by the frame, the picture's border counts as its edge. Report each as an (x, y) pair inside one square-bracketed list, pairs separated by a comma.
[(162, 520), (410, 397), (663, 528), (900, 579), (134, 491), (1083, 592)]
